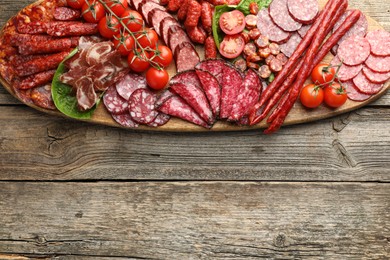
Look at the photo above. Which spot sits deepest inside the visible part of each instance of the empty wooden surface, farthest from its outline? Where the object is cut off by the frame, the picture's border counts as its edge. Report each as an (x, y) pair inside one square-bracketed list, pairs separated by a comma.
[(71, 190)]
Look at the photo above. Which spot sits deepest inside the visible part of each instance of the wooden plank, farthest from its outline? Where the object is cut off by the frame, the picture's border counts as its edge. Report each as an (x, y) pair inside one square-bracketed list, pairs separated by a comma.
[(196, 220), (352, 147)]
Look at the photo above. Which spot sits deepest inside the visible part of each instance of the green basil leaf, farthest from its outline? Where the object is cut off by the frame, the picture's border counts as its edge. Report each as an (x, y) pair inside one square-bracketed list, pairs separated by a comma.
[(243, 6), (217, 32), (64, 99)]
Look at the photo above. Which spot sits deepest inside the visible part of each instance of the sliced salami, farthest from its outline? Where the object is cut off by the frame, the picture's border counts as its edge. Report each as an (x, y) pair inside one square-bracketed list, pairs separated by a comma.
[(346, 72), (380, 42), (354, 50), (365, 86), (114, 103), (125, 120), (160, 120), (280, 15), (303, 11), (155, 18), (164, 96), (176, 37), (231, 82), (268, 28), (353, 93), (147, 6), (41, 96), (196, 98), (130, 83), (378, 64), (66, 14), (186, 57), (358, 29), (212, 90), (165, 24), (214, 67), (142, 106), (186, 77), (376, 77), (289, 47), (303, 30), (334, 49)]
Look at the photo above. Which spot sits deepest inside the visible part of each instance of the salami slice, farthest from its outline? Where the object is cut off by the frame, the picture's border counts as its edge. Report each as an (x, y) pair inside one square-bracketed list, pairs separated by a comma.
[(114, 103), (130, 83), (49, 46), (146, 7), (164, 96), (176, 37), (358, 29), (380, 42), (41, 96), (378, 64), (268, 28), (155, 17), (376, 77), (212, 90), (24, 95), (346, 72), (66, 14), (160, 120), (231, 82), (280, 15), (354, 50), (289, 47), (214, 67), (303, 11), (303, 30), (365, 86), (125, 120), (177, 107), (186, 57), (186, 77), (353, 93), (165, 24), (142, 106)]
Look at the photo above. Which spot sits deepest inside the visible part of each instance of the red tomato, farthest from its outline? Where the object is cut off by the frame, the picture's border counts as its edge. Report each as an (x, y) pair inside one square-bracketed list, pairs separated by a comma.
[(157, 78), (335, 95), (75, 4), (232, 22), (322, 73), (133, 20), (232, 46), (117, 6), (124, 43), (138, 61), (163, 56), (148, 38), (93, 11), (311, 96), (109, 26)]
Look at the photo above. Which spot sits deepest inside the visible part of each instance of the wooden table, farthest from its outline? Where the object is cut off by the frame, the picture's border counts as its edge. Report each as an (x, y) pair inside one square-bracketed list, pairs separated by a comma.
[(71, 190)]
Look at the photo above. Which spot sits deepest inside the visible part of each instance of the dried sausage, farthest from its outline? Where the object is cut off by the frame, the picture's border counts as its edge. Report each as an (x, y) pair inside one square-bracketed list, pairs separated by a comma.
[(193, 14), (365, 86), (36, 80), (66, 14), (174, 5), (207, 16), (50, 46), (61, 29), (196, 34), (114, 103), (280, 15), (142, 106), (268, 28), (210, 48)]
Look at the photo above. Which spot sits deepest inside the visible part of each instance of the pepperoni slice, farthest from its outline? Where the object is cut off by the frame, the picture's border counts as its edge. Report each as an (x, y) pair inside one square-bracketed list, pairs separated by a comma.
[(268, 28), (378, 64), (130, 83), (376, 77), (353, 93), (279, 13), (142, 106), (365, 86), (346, 72), (289, 47), (125, 120), (114, 103), (303, 11), (380, 42), (354, 50)]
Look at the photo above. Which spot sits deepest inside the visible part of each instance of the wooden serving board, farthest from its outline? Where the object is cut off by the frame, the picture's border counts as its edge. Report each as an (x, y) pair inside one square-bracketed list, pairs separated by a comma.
[(298, 114)]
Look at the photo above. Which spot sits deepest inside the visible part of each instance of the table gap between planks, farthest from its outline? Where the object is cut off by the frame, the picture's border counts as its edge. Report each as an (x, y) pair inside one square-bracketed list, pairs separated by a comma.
[(72, 190)]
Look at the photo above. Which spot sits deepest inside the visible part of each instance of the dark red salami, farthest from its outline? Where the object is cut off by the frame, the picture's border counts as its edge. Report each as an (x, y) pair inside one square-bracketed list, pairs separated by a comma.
[(380, 42), (41, 96), (35, 80), (378, 64), (289, 47), (49, 46), (165, 24), (66, 14), (186, 57), (334, 49), (164, 96), (32, 27), (280, 15), (186, 77), (176, 37), (177, 107), (160, 120), (346, 72), (17, 39), (376, 77), (130, 83), (148, 6), (125, 120), (353, 93), (212, 90), (268, 28), (196, 98), (303, 11), (214, 67), (142, 106), (354, 50), (303, 30), (62, 29), (231, 82), (155, 18), (114, 103), (358, 29), (365, 86)]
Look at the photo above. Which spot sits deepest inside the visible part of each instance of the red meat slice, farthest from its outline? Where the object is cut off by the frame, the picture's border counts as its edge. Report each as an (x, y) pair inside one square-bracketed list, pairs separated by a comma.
[(268, 28), (231, 82), (365, 86), (353, 93), (380, 42), (346, 72), (354, 50), (280, 15), (125, 120), (114, 103), (212, 90), (41, 96), (376, 77), (142, 106), (303, 11), (186, 57), (160, 120)]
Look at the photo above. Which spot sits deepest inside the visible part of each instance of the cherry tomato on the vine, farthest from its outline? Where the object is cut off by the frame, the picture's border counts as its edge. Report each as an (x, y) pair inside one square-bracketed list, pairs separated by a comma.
[(124, 43), (138, 60), (163, 56), (75, 4), (311, 96), (322, 73), (148, 38), (93, 11), (133, 20), (232, 46), (157, 78), (335, 95), (117, 6), (109, 26)]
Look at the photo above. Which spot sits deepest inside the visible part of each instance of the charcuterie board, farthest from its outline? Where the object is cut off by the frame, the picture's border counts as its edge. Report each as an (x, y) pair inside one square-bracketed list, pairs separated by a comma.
[(298, 115)]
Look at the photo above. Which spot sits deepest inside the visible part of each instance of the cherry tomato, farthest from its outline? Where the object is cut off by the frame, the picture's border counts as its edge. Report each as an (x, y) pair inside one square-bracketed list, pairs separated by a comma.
[(138, 61), (322, 73), (133, 20), (75, 4), (163, 56), (157, 78), (232, 22), (124, 43), (335, 95), (232, 46), (117, 6), (148, 38), (311, 96), (109, 26), (93, 11)]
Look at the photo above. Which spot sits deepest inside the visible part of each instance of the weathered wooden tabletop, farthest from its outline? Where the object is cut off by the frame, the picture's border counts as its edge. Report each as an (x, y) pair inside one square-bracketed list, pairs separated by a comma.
[(71, 190)]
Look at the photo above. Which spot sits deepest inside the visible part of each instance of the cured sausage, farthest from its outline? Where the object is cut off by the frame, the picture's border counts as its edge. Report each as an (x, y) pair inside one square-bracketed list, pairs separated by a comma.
[(380, 42), (50, 46), (125, 120), (303, 30), (212, 90), (66, 14), (160, 120), (196, 34), (378, 64), (35, 80), (165, 24), (240, 64), (291, 45), (41, 96), (174, 5), (354, 50), (268, 28), (187, 77), (32, 27), (231, 82), (353, 93), (210, 49), (303, 11), (214, 67), (156, 16), (375, 77), (130, 83), (358, 29), (365, 86), (182, 13), (148, 6), (345, 72), (62, 29), (207, 16), (176, 36), (17, 39), (280, 15), (142, 106), (186, 57), (164, 96), (114, 103), (193, 14)]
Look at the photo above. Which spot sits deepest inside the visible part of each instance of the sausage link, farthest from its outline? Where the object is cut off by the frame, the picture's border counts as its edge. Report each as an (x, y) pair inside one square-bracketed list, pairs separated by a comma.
[(50, 46), (66, 14), (210, 48), (36, 80), (61, 29), (196, 34), (207, 16), (174, 5), (193, 14), (182, 13)]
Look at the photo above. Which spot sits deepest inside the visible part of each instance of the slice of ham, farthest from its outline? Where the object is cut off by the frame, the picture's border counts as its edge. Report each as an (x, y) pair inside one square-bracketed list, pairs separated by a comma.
[(86, 95)]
